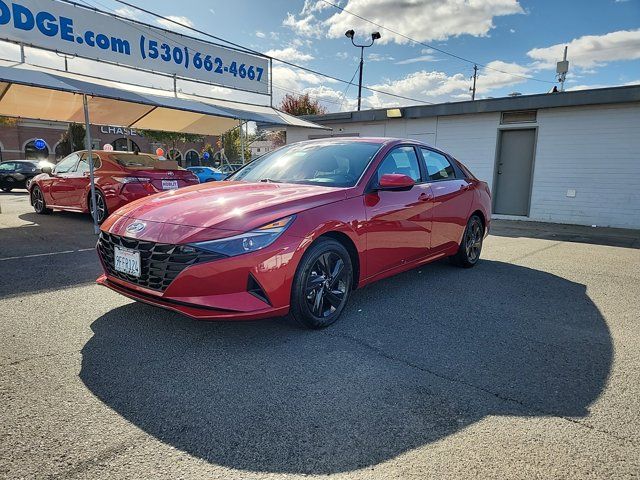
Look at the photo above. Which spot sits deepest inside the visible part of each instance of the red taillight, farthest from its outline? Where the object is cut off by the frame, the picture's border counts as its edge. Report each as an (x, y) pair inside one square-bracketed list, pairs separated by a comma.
[(148, 186), (132, 179)]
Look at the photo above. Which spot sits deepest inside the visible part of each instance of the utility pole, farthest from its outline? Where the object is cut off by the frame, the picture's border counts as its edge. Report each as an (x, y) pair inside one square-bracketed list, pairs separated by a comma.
[(562, 68), (374, 36), (475, 76)]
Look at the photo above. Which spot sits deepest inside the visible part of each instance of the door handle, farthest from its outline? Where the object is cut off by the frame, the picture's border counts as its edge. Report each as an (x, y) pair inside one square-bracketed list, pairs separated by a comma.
[(425, 197)]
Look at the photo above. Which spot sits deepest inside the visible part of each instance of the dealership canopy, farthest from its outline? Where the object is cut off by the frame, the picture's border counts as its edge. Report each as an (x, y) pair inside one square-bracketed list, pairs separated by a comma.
[(37, 94)]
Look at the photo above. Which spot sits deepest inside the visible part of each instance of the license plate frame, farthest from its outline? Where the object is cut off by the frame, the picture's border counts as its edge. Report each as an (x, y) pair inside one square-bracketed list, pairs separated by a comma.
[(169, 184), (127, 261)]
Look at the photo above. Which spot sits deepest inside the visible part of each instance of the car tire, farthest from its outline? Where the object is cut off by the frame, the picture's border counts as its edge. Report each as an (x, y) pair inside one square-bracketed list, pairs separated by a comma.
[(322, 284), (27, 183), (469, 251), (7, 189), (38, 202), (101, 203)]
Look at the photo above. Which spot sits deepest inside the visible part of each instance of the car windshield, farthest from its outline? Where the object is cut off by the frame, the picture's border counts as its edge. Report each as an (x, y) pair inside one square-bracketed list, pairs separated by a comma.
[(330, 163)]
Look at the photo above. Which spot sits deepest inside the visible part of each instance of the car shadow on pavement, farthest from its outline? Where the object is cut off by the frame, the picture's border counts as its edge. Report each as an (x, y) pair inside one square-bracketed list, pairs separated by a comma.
[(46, 252), (415, 358)]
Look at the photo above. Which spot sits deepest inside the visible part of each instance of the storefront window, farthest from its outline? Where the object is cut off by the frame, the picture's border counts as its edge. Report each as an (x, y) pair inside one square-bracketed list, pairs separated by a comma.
[(33, 153), (192, 158), (121, 145), (175, 155)]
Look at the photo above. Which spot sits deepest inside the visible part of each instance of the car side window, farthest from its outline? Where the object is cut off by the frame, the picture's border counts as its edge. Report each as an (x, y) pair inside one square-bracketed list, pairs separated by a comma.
[(26, 167), (438, 167), (7, 166), (401, 160), (67, 164), (83, 165)]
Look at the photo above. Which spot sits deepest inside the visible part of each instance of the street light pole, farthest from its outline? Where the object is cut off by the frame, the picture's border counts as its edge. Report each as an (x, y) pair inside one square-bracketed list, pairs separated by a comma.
[(360, 77), (374, 36)]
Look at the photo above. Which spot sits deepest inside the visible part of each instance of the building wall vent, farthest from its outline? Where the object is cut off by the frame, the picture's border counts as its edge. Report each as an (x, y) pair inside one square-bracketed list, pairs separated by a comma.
[(526, 116)]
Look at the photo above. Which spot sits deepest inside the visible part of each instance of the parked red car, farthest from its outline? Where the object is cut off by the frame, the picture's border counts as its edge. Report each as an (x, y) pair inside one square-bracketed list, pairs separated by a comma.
[(296, 230), (120, 177)]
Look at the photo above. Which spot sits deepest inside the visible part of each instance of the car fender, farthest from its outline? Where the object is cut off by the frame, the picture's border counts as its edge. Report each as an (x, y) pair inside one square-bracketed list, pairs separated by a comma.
[(339, 217)]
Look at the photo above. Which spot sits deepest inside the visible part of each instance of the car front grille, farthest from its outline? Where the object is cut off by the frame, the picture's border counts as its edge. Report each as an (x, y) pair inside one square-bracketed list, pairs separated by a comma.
[(160, 263)]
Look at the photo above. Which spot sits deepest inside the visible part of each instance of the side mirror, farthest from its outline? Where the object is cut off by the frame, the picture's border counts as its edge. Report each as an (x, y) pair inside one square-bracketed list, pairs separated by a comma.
[(46, 170), (395, 182)]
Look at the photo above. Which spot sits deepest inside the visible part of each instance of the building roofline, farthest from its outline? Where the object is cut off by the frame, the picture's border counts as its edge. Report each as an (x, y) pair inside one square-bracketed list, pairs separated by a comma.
[(596, 96)]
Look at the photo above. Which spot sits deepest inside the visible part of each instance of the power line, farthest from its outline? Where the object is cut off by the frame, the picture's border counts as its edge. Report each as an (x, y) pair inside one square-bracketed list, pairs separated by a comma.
[(444, 52), (344, 94), (310, 70)]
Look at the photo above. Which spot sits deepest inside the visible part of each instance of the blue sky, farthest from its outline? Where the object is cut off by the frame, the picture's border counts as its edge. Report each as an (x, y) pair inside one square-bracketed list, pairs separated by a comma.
[(522, 37)]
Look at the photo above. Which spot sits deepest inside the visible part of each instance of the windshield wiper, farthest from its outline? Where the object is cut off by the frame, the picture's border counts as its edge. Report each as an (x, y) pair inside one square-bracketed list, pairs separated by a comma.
[(268, 180)]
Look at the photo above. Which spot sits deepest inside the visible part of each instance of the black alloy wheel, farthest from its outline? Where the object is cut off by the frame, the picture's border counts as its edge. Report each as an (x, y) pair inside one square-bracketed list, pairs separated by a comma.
[(471, 246), (322, 284), (37, 200), (9, 184)]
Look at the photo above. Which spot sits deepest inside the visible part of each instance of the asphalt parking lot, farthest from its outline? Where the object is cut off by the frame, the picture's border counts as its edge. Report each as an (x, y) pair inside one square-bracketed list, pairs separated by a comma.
[(527, 366)]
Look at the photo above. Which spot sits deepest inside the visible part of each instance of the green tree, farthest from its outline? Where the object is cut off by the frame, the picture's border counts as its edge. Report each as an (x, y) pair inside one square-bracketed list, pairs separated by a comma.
[(298, 105), (231, 145), (8, 121), (73, 139), (170, 140)]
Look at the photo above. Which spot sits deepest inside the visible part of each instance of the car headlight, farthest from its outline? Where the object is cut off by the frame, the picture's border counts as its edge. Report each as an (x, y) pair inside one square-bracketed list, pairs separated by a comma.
[(247, 242)]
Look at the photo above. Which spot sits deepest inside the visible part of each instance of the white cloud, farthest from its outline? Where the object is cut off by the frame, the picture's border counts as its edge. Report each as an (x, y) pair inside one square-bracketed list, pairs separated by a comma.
[(306, 25), (260, 34), (379, 57), (342, 55), (290, 54), (169, 25), (425, 57), (127, 12), (424, 20), (434, 86), (591, 50), (423, 86), (311, 6)]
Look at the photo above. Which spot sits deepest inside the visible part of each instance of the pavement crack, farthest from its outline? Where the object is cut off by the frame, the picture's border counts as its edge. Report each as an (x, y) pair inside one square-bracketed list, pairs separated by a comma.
[(505, 398), (535, 252)]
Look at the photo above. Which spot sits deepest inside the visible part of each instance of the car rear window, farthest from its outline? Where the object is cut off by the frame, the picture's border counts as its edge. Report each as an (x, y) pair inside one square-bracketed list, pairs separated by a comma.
[(143, 160)]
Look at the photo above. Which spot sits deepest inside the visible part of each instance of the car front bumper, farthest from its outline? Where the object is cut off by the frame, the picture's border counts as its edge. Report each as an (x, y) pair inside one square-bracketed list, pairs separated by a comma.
[(246, 287)]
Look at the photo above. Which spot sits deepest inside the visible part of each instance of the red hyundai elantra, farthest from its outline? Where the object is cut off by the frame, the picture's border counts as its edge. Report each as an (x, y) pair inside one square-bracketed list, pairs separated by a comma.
[(296, 230), (120, 177)]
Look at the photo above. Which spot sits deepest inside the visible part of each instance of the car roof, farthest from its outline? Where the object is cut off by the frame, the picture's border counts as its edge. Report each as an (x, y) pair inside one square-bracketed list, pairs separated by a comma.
[(377, 140), (24, 161)]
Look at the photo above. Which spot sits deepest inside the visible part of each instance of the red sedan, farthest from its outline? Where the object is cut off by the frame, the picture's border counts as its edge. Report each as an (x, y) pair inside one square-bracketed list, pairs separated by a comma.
[(120, 178), (296, 230)]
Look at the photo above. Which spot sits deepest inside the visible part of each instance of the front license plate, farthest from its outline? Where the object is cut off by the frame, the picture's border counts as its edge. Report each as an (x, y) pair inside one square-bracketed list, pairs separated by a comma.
[(169, 184), (127, 261)]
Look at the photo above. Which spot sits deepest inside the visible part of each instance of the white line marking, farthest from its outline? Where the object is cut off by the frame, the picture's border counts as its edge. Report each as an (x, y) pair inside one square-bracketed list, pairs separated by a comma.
[(46, 254)]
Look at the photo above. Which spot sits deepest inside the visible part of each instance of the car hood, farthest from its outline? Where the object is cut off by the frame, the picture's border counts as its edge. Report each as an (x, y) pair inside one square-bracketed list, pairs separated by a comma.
[(236, 206)]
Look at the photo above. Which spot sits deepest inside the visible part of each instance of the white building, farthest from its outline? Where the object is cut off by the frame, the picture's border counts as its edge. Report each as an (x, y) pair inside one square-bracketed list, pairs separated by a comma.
[(260, 147), (571, 157)]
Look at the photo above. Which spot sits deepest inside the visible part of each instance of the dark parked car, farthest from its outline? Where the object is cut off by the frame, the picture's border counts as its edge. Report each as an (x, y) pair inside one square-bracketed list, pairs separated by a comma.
[(18, 173)]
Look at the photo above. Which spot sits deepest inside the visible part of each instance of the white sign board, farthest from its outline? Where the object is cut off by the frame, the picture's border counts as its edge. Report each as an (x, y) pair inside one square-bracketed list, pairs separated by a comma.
[(75, 30)]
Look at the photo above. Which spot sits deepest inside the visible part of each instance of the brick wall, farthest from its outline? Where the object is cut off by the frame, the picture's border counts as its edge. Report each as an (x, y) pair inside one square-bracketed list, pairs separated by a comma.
[(14, 138)]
